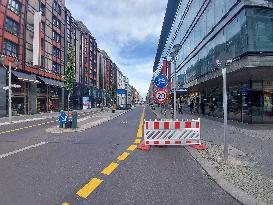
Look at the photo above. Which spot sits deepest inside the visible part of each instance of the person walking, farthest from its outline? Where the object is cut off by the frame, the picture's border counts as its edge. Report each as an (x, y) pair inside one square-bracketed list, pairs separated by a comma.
[(191, 106)]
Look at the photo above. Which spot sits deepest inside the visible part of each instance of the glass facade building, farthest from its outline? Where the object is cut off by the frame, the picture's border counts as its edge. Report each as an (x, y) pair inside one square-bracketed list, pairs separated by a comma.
[(211, 30)]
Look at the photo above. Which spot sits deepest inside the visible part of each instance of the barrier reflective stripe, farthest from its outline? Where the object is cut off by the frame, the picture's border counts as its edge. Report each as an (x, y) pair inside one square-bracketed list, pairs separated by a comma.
[(172, 132)]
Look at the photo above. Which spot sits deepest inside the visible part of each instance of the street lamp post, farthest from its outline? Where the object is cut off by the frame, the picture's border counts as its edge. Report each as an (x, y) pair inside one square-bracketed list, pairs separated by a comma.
[(176, 49), (10, 86)]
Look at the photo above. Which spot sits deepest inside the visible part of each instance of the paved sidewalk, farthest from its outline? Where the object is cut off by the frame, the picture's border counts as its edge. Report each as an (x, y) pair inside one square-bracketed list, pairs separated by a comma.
[(250, 169), (256, 141), (35, 117)]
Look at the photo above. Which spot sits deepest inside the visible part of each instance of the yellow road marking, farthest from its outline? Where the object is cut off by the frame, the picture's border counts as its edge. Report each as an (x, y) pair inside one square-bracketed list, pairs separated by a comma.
[(89, 188), (17, 129), (108, 170), (123, 156), (25, 127), (7, 131), (137, 141), (30, 126), (12, 130), (3, 132), (132, 147), (34, 125), (39, 124), (139, 131), (65, 203), (21, 128)]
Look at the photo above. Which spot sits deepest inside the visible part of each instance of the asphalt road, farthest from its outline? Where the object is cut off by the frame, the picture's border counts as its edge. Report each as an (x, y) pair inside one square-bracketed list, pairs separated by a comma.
[(70, 168)]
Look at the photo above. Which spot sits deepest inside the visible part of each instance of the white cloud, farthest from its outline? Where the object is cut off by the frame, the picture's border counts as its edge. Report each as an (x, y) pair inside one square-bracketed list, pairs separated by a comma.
[(116, 24)]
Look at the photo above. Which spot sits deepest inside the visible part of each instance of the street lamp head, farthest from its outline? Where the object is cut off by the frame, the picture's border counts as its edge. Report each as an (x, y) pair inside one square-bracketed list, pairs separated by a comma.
[(176, 48)]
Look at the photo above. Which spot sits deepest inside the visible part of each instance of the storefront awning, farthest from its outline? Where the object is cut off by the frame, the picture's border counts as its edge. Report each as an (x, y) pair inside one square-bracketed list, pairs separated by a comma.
[(24, 76), (52, 82)]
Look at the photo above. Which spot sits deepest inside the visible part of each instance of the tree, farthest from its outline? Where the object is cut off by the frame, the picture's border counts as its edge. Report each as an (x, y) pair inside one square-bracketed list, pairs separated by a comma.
[(69, 76)]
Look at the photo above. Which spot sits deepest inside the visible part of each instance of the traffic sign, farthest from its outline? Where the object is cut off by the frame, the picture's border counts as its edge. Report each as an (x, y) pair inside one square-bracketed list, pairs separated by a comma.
[(161, 81), (161, 96), (63, 117)]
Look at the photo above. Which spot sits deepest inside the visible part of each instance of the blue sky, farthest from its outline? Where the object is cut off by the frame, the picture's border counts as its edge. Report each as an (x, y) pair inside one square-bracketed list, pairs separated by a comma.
[(128, 30)]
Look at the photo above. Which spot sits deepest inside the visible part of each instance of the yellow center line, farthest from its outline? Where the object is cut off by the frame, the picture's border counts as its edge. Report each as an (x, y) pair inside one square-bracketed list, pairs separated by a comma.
[(137, 141), (21, 128), (17, 129), (108, 170), (123, 156), (89, 188), (65, 203), (132, 147), (139, 131), (7, 131), (30, 126), (25, 127)]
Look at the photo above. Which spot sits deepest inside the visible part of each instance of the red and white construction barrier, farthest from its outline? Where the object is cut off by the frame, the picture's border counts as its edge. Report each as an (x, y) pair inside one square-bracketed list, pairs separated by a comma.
[(172, 132)]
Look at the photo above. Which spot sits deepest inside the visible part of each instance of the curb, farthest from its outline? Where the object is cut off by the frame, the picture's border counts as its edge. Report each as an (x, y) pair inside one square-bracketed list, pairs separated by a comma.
[(235, 192), (99, 122)]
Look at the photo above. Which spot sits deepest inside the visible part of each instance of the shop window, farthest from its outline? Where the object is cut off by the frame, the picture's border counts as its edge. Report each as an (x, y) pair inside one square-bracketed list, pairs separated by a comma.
[(12, 26), (10, 48), (43, 43), (14, 6)]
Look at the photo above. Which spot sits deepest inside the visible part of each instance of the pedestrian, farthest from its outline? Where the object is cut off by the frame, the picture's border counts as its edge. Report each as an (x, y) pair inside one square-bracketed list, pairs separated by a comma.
[(202, 106), (180, 108), (191, 106), (101, 106)]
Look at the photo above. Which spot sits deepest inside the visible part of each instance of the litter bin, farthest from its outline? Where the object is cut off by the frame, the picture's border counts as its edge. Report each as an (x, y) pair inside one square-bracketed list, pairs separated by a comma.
[(74, 119)]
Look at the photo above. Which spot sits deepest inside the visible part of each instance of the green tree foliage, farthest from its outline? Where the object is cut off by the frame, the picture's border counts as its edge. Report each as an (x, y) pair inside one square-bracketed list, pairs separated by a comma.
[(69, 76)]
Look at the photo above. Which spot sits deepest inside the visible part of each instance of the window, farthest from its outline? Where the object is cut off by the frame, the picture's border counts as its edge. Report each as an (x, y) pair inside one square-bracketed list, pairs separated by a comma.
[(56, 52), (56, 22), (43, 9), (56, 36), (12, 26), (57, 7), (10, 48), (56, 67), (43, 43), (42, 62), (43, 27), (14, 6)]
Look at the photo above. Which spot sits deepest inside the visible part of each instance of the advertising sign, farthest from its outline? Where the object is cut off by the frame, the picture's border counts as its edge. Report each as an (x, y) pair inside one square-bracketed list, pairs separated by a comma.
[(86, 103)]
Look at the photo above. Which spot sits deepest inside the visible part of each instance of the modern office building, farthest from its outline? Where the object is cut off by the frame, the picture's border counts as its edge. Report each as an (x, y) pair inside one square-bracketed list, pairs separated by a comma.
[(240, 31)]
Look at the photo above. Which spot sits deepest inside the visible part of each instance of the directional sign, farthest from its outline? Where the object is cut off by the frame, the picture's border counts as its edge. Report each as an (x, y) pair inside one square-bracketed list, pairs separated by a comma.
[(161, 96), (121, 91), (63, 117), (161, 81)]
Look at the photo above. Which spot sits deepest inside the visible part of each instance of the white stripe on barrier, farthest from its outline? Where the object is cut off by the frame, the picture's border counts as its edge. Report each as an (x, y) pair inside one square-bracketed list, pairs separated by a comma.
[(172, 132)]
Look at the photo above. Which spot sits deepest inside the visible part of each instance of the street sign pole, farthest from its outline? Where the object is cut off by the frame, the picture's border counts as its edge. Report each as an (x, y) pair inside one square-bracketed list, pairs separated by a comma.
[(10, 93), (224, 72), (174, 90)]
